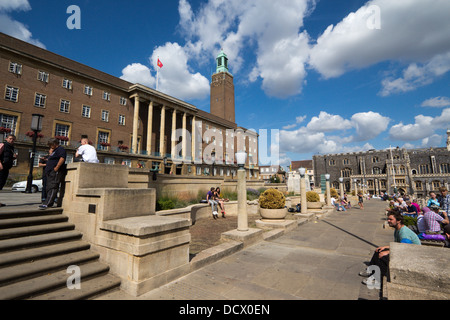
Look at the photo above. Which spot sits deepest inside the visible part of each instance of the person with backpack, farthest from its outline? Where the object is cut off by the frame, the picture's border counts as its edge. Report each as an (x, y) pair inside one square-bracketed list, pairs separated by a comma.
[(7, 157)]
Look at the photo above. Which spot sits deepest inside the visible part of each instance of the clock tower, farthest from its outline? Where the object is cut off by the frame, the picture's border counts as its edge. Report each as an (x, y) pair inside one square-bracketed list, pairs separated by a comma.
[(222, 90)]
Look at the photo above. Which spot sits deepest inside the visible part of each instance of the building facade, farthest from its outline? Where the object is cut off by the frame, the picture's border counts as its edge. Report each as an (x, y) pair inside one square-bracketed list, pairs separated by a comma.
[(128, 123), (410, 171)]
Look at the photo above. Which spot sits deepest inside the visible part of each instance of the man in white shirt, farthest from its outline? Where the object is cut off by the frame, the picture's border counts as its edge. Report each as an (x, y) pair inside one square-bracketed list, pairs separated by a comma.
[(87, 152)]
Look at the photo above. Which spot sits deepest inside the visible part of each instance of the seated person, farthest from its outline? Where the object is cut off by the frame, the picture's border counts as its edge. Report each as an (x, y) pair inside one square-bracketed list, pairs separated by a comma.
[(433, 200), (433, 220), (411, 211), (421, 224)]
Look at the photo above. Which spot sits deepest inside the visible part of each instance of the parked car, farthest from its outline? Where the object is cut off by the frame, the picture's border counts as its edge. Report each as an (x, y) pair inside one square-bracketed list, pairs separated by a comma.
[(22, 186)]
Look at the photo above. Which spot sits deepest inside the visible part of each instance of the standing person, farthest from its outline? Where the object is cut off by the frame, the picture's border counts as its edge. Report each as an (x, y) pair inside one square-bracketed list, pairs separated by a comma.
[(212, 202), (42, 164), (7, 157), (87, 152), (445, 200), (360, 201), (55, 171)]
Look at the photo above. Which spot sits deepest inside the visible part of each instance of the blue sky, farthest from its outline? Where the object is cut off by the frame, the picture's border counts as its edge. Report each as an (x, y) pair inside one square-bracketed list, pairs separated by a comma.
[(332, 75)]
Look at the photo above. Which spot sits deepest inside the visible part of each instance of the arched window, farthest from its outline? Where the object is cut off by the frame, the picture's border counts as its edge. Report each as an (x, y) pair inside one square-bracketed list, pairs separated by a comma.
[(376, 170), (346, 173)]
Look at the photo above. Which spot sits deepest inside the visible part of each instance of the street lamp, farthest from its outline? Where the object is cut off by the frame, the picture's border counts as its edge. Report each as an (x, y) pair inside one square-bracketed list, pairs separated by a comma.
[(36, 127), (303, 201), (241, 158), (341, 186)]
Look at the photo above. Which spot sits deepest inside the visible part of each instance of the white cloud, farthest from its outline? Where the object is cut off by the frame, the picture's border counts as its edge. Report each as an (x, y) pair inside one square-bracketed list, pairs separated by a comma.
[(15, 28), (313, 137), (437, 102), (175, 78), (14, 5), (369, 125), (327, 122), (272, 28), (423, 128), (411, 31), (138, 73)]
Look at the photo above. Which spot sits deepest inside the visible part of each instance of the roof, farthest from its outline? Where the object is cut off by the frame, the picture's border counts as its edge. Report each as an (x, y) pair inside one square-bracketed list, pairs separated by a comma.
[(307, 164)]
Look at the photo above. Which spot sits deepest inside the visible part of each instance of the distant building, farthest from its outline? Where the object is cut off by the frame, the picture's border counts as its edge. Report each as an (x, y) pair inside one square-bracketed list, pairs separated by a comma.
[(267, 172), (412, 171)]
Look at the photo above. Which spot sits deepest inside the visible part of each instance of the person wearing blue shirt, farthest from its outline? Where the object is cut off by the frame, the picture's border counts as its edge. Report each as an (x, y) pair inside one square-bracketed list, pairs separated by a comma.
[(402, 234)]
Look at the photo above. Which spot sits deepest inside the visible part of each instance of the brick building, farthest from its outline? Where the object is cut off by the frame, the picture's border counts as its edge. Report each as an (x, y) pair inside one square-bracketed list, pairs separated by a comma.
[(128, 123), (412, 171)]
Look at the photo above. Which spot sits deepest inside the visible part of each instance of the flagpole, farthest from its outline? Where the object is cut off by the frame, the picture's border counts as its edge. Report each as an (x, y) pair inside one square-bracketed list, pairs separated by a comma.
[(157, 77)]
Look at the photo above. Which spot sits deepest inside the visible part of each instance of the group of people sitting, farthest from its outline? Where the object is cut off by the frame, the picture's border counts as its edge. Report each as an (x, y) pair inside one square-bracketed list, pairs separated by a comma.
[(217, 201), (430, 218), (343, 204)]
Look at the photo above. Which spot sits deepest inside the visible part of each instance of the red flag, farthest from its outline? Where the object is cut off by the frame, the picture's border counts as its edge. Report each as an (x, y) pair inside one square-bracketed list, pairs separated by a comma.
[(160, 63)]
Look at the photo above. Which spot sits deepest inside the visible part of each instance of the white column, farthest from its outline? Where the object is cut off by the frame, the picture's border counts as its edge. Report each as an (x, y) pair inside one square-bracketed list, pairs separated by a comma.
[(184, 136), (174, 129), (135, 125), (162, 150), (150, 128)]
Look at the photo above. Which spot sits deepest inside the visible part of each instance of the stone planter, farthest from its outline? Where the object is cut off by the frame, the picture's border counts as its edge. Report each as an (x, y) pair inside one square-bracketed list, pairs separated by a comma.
[(273, 214), (314, 205)]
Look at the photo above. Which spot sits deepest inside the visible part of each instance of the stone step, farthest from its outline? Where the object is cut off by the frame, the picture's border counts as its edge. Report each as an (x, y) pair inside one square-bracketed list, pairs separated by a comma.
[(29, 213), (35, 230), (32, 221), (27, 270), (33, 254), (38, 240), (34, 287), (90, 288)]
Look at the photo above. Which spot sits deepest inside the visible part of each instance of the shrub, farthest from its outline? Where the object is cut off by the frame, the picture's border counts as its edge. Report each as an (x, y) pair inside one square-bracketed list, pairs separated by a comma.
[(312, 196), (334, 193), (272, 199), (165, 204)]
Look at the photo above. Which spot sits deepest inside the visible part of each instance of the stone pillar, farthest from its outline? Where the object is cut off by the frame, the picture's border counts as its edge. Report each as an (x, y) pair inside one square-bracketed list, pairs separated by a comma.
[(162, 150), (242, 200), (150, 129), (135, 125), (327, 184), (194, 138), (174, 129), (304, 202), (184, 146)]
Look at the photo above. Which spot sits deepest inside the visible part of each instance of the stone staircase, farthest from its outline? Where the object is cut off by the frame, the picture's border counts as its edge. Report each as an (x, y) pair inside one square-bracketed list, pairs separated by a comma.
[(36, 249)]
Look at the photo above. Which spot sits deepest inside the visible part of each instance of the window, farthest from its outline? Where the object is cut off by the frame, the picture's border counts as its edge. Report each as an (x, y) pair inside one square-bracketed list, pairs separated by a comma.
[(64, 106), (105, 115), (376, 170), (103, 140), (419, 185), (346, 162), (106, 96), (332, 162), (88, 90), (126, 162), (67, 84), (12, 94), (123, 101), (346, 173), (424, 169), (43, 76), (445, 168), (39, 100), (121, 120), (375, 160), (436, 184), (109, 160), (9, 122), (86, 112), (15, 68), (62, 132)]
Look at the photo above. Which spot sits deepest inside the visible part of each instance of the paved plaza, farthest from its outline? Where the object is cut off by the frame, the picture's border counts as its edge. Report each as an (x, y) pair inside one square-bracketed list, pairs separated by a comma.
[(317, 261)]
